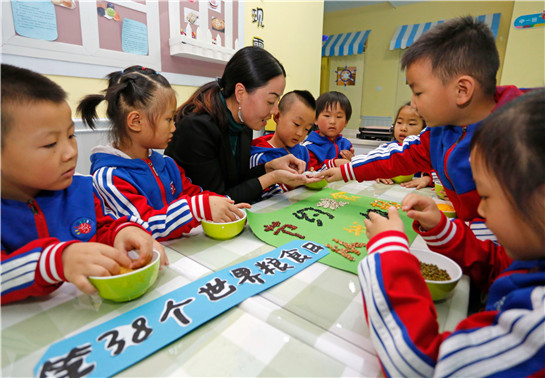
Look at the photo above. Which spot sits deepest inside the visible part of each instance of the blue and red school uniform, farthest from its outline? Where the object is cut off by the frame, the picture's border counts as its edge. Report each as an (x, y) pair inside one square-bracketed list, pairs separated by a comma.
[(444, 149), (506, 339), (35, 234), (323, 151), (155, 190), (262, 152)]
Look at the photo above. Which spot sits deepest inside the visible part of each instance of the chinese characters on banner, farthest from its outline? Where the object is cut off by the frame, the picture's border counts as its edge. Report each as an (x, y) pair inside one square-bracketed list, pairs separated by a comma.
[(115, 345)]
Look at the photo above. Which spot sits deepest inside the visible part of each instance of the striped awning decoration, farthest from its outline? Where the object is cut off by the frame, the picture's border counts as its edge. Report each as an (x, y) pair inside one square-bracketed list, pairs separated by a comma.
[(345, 43), (406, 35)]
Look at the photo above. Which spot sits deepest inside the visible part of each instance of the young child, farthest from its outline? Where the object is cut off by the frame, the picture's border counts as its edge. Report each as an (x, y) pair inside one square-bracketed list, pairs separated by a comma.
[(294, 120), (133, 179), (451, 70), (408, 122), (507, 338), (54, 227), (327, 147)]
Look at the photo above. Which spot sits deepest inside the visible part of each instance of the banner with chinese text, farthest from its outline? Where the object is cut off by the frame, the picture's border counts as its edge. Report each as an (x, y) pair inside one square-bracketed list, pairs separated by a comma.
[(115, 345)]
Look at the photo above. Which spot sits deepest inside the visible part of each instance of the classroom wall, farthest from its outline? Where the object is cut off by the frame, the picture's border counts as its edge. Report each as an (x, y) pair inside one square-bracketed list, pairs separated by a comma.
[(77, 88), (299, 22), (293, 34), (384, 88), (524, 64)]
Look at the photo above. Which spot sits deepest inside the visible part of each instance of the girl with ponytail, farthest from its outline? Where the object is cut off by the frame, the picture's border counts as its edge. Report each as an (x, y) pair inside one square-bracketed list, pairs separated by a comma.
[(131, 177)]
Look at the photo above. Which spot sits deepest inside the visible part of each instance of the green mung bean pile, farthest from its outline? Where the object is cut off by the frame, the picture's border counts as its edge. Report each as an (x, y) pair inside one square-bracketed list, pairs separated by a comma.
[(433, 273)]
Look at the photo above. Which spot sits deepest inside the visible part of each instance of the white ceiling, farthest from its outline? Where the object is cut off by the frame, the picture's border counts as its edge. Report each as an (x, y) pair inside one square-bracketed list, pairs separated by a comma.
[(337, 5)]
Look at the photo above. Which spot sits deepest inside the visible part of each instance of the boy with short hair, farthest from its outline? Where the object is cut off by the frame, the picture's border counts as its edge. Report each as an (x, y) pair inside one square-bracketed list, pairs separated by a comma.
[(54, 226), (327, 147), (294, 120), (451, 70)]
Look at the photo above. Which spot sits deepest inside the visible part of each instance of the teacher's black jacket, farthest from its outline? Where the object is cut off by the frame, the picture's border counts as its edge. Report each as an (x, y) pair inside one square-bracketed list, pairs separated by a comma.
[(203, 150)]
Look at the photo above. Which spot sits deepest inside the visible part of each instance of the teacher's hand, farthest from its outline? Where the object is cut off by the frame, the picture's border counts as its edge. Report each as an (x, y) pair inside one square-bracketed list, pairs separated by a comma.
[(288, 163), (293, 179)]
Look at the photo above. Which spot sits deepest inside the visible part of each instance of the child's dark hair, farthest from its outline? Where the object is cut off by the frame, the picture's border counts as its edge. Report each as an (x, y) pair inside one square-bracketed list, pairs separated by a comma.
[(251, 66), (135, 87), (304, 96), (510, 145), (461, 46), (328, 100), (20, 87), (409, 105)]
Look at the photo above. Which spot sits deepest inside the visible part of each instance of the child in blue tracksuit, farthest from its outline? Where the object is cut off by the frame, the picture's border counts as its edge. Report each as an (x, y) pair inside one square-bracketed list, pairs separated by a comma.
[(408, 124), (507, 338), (294, 120), (55, 228), (133, 179), (327, 147), (452, 71)]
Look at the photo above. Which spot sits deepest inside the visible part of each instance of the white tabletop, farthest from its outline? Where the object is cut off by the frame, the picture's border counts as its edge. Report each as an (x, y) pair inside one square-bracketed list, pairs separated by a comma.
[(309, 325)]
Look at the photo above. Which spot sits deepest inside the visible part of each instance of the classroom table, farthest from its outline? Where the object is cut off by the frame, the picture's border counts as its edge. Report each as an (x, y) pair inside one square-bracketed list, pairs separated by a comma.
[(312, 324)]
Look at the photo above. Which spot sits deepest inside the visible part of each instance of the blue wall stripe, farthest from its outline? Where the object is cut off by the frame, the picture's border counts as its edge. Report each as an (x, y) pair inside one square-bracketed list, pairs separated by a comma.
[(400, 36), (352, 43), (343, 43), (414, 34)]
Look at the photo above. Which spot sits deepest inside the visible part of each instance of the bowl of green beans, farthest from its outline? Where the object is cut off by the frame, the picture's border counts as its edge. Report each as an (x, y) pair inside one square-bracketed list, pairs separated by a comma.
[(440, 273)]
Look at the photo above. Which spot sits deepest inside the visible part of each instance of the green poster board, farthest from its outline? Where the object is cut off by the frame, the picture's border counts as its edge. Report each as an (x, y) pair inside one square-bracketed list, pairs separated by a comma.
[(326, 215)]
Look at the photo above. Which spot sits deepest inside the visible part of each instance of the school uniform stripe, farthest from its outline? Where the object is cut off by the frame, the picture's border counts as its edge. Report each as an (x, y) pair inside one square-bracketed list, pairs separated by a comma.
[(18, 272), (162, 225), (387, 243), (482, 232), (52, 265), (444, 237), (348, 172), (98, 180), (200, 199), (47, 264), (139, 221), (271, 191), (399, 355), (105, 209), (383, 152), (12, 263), (113, 196), (517, 335), (254, 159), (22, 281), (172, 226), (181, 209)]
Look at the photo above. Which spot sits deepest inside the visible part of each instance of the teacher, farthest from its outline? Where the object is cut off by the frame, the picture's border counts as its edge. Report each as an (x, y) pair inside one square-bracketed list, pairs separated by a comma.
[(214, 129)]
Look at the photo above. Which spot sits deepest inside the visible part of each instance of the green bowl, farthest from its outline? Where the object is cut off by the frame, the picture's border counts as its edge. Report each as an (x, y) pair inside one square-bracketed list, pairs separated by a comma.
[(450, 213), (317, 185), (440, 290), (438, 189), (131, 285), (400, 179), (224, 231)]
